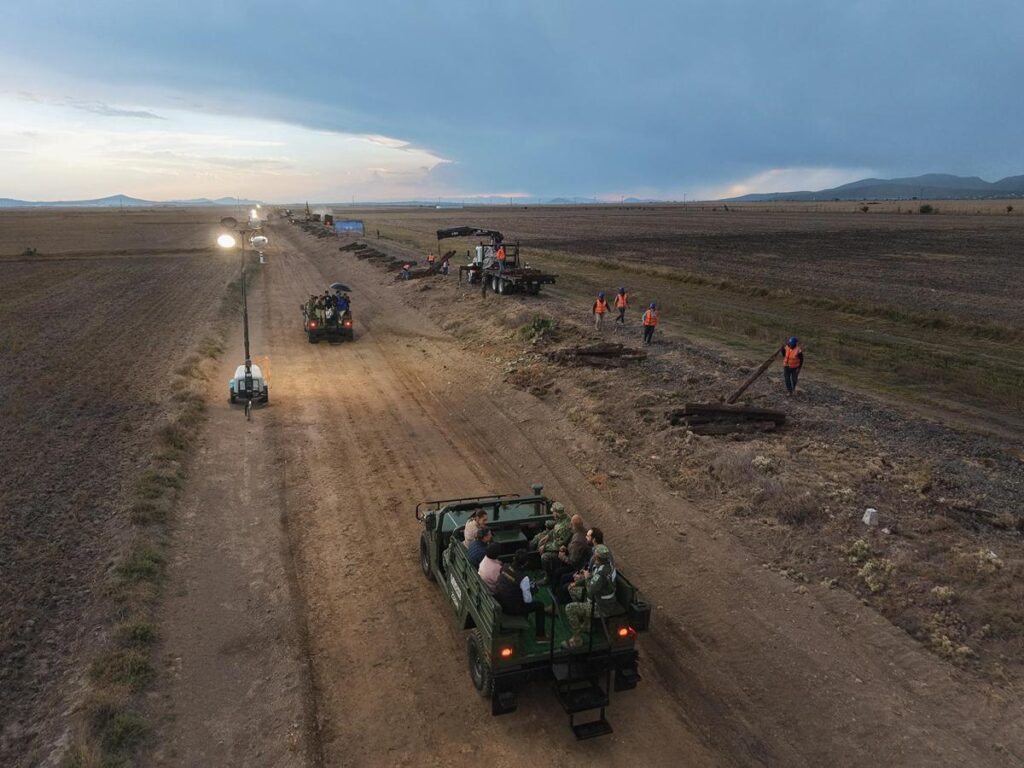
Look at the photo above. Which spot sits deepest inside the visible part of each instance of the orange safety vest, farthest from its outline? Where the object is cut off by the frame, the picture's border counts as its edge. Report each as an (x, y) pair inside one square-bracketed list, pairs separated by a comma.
[(500, 255), (431, 258), (650, 317), (792, 359), (600, 306), (620, 301)]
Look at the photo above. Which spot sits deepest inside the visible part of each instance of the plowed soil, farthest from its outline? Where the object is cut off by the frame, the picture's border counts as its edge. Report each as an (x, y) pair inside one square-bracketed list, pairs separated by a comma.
[(740, 667), (88, 341)]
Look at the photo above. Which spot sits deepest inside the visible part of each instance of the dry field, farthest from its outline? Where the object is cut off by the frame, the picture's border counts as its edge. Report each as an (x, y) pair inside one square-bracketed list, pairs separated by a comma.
[(285, 618), (928, 306), (94, 330)]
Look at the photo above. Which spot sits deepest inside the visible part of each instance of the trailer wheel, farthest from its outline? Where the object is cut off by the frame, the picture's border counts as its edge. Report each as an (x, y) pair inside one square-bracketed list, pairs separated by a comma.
[(312, 339), (479, 666), (495, 282), (534, 289), (425, 557)]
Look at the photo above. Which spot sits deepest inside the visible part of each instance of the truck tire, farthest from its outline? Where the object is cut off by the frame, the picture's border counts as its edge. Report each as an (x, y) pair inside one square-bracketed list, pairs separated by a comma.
[(312, 339), (479, 664), (534, 289), (494, 284), (231, 398), (504, 287), (425, 557)]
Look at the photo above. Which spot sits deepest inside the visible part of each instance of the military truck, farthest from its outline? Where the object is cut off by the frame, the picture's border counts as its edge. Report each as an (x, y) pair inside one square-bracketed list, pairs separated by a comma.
[(329, 325), (502, 651)]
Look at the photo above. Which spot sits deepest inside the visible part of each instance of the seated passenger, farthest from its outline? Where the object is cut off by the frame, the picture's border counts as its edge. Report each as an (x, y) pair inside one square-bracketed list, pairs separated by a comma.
[(599, 600), (490, 566), (478, 548), (476, 519), (569, 579), (515, 597), (572, 555)]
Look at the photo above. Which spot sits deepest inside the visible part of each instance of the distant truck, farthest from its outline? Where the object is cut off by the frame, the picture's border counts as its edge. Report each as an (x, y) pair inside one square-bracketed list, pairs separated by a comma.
[(329, 325), (502, 652), (498, 263), (252, 387)]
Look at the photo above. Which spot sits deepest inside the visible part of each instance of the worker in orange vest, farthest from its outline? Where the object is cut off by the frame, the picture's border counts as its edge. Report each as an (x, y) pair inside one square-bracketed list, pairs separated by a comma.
[(600, 310), (500, 256), (621, 302), (650, 322), (792, 362), (431, 258)]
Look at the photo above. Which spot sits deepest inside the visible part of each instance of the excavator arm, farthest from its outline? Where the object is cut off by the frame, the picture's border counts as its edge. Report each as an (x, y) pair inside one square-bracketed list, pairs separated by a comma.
[(496, 237)]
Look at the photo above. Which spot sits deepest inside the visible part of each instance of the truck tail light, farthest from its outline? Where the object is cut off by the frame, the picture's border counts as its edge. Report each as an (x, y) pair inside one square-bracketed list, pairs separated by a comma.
[(312, 323), (626, 632), (506, 653)]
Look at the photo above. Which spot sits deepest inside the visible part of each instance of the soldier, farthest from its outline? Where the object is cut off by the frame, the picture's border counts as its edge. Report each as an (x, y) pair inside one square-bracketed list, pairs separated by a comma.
[(569, 556), (541, 540), (599, 599)]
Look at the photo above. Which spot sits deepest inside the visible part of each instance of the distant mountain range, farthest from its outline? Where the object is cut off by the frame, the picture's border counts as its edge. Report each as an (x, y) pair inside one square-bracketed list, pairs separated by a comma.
[(930, 186), (121, 201)]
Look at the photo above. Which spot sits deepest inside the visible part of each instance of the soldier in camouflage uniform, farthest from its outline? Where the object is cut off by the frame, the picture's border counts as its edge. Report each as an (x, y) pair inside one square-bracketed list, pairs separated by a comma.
[(599, 599), (539, 542)]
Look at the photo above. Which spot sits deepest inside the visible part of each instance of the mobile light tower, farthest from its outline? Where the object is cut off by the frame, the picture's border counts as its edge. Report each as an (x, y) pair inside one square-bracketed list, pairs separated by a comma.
[(227, 241)]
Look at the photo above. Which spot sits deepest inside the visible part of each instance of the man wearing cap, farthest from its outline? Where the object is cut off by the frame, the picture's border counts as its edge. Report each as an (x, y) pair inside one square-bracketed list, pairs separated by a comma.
[(600, 309), (621, 302), (478, 548), (599, 599), (558, 532), (792, 362), (650, 322)]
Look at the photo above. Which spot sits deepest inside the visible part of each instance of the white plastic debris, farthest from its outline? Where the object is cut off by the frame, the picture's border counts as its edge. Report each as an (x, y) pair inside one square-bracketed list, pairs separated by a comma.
[(870, 516)]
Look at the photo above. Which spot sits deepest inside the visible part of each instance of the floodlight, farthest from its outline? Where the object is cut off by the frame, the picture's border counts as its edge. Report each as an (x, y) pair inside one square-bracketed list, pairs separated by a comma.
[(226, 241)]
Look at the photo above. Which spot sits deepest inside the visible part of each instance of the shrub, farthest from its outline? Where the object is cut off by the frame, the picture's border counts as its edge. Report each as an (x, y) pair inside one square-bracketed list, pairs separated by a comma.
[(129, 668), (144, 564), (859, 551), (876, 574), (787, 502), (1009, 209), (538, 329), (864, 208), (926, 209)]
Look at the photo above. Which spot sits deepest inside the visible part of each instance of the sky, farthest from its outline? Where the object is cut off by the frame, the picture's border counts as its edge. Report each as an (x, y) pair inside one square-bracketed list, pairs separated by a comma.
[(517, 99)]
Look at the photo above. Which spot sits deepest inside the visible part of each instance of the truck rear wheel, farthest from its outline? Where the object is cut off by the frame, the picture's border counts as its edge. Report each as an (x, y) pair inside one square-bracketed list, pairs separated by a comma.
[(312, 339), (479, 665), (425, 557)]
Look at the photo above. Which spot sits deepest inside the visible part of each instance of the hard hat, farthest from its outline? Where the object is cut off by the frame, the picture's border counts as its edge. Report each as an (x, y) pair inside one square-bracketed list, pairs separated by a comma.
[(600, 295), (653, 305), (622, 290), (793, 340)]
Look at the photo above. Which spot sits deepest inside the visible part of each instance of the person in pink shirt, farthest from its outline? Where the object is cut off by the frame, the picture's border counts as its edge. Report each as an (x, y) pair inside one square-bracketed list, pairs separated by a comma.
[(490, 566)]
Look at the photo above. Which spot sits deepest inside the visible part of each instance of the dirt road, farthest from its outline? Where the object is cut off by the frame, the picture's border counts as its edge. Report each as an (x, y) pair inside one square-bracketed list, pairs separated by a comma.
[(738, 668)]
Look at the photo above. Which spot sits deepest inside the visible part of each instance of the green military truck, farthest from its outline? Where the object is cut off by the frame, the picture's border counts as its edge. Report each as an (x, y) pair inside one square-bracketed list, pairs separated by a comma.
[(502, 650)]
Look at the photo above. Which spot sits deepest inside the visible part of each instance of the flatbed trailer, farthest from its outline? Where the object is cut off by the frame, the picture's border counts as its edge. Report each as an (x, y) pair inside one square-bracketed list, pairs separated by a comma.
[(506, 275), (502, 651)]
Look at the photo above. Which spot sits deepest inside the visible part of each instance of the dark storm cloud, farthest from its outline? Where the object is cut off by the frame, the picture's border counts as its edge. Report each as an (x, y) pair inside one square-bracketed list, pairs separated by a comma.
[(581, 97)]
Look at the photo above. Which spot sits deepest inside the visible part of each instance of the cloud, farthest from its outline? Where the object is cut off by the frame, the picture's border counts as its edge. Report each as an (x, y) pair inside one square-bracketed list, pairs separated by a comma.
[(105, 110)]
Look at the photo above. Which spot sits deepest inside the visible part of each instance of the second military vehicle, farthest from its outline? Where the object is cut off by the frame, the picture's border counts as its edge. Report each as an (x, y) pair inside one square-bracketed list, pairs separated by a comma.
[(503, 652)]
